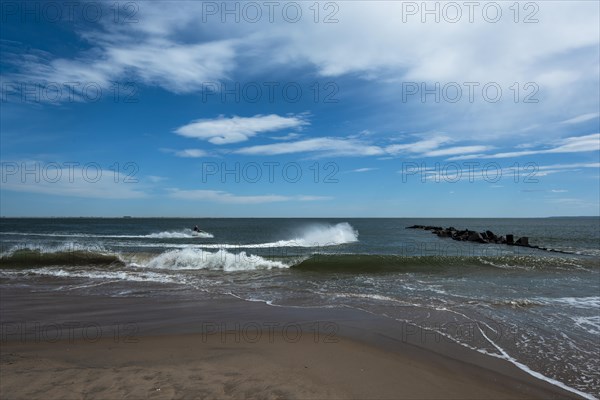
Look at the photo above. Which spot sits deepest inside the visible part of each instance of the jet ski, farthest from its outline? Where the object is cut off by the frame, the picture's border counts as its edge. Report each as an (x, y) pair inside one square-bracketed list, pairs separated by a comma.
[(198, 232)]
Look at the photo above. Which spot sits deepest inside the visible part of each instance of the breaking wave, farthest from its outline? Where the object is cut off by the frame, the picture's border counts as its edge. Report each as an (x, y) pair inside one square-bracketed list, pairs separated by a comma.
[(183, 234), (221, 260), (177, 234), (63, 254), (318, 236)]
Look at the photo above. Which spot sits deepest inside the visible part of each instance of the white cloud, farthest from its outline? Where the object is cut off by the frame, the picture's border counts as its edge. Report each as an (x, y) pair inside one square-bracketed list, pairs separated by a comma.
[(364, 169), (527, 172), (570, 166), (237, 129), (179, 68), (468, 157), (362, 134), (446, 51), (543, 170), (546, 191), (289, 136), (456, 150), (420, 146), (581, 118), (574, 144), (218, 196), (179, 50), (311, 198), (330, 146), (350, 146), (172, 50), (156, 179), (525, 145), (191, 153), (578, 144)]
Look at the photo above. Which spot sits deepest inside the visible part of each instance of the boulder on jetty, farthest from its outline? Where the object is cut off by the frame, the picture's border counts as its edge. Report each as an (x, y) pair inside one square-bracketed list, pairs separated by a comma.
[(522, 241), (474, 236), (510, 239)]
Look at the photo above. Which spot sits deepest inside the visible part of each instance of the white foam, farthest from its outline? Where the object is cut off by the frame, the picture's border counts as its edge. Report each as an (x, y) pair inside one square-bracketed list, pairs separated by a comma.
[(369, 297), (192, 259), (503, 354), (143, 276), (505, 265), (533, 373), (186, 233), (58, 248), (588, 324), (326, 235), (178, 234), (518, 303), (592, 302), (319, 235)]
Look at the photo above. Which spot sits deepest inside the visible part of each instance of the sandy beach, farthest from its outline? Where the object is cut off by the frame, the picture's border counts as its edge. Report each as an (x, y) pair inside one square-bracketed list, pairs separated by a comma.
[(57, 346)]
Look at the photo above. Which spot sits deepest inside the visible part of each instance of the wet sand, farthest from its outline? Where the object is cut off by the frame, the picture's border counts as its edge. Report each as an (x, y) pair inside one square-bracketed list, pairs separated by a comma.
[(59, 346)]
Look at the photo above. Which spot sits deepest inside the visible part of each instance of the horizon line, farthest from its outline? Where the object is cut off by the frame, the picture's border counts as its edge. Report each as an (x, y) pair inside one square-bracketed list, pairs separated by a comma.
[(280, 217)]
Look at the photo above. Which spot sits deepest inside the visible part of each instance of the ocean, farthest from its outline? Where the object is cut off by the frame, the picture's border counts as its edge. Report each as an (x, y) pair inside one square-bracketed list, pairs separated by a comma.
[(537, 309)]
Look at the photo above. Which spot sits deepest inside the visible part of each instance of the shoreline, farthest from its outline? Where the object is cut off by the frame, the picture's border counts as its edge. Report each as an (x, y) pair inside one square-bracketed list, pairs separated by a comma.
[(45, 331)]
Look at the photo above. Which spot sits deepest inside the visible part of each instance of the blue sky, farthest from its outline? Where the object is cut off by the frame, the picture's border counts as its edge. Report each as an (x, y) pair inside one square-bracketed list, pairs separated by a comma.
[(327, 109)]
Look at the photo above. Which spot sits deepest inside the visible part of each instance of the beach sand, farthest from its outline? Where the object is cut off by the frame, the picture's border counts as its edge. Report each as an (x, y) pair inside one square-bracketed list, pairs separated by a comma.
[(227, 348)]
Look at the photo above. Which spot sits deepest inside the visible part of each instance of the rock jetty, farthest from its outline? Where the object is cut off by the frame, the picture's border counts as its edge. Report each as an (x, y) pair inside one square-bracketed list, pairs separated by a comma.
[(480, 237)]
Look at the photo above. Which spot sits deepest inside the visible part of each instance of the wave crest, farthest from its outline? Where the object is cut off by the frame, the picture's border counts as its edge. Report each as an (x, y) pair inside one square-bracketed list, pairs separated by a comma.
[(191, 259), (320, 236), (323, 235), (24, 258)]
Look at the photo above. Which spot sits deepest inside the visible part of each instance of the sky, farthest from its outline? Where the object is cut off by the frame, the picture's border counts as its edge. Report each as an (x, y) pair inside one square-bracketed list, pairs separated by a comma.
[(300, 109)]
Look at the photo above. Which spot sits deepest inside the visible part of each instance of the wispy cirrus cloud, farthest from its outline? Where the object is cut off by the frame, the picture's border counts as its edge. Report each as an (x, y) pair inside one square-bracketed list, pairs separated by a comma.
[(330, 146), (156, 178), (456, 150), (223, 130), (544, 170), (191, 153), (385, 43), (171, 50), (531, 173), (188, 153), (218, 196), (351, 146), (581, 118), (421, 146), (289, 136), (574, 144), (363, 169), (544, 190), (180, 68)]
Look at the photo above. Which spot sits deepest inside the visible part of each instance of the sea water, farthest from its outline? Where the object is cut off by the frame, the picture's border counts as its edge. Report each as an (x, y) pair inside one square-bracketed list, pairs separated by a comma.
[(534, 308)]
